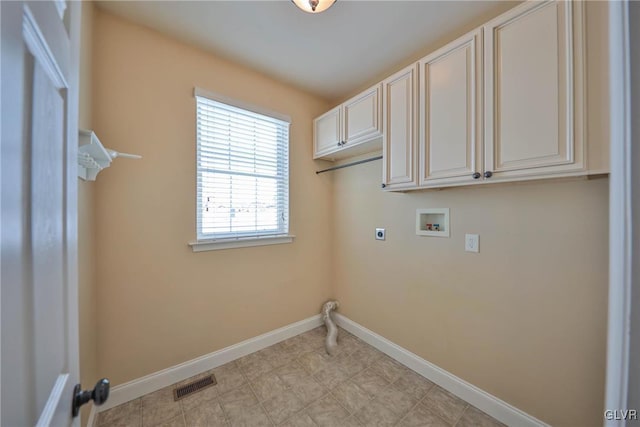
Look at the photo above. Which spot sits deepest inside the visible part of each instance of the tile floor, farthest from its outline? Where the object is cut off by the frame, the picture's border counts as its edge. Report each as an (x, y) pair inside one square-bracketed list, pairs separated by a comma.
[(295, 383)]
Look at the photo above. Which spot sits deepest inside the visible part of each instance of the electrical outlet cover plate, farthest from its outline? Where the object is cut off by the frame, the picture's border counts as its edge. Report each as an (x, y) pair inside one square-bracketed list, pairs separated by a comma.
[(380, 234), (472, 242)]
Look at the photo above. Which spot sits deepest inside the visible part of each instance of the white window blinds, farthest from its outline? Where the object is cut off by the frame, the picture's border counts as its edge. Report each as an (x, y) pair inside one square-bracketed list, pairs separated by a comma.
[(243, 172)]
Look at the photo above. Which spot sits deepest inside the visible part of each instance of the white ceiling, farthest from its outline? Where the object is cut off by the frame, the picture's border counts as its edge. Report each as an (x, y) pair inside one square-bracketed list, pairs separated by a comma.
[(331, 54)]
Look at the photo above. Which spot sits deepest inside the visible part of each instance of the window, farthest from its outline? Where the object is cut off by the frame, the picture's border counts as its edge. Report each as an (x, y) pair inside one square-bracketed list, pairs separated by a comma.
[(242, 174)]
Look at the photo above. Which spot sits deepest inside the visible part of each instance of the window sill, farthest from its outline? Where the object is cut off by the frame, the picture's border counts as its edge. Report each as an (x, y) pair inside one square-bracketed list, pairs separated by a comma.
[(215, 245)]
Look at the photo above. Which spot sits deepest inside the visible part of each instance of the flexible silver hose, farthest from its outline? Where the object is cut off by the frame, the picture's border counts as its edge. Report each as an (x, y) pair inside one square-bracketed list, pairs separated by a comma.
[(331, 342)]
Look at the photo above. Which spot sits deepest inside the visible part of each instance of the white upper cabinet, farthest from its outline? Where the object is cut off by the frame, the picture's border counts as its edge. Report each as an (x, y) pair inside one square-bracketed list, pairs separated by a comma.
[(327, 132), (506, 102), (362, 117), (450, 149), (351, 128), (534, 91), (399, 108)]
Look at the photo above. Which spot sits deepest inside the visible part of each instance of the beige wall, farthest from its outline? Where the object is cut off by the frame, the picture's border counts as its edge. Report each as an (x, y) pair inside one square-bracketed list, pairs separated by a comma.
[(86, 225), (159, 303), (524, 319)]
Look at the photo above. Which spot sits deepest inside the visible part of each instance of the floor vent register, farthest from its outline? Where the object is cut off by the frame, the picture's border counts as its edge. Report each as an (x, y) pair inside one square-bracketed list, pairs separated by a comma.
[(194, 387)]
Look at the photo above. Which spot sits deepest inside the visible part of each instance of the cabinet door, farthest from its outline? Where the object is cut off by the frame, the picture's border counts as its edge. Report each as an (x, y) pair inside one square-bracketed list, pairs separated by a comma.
[(534, 90), (450, 120), (362, 120), (327, 133), (399, 124)]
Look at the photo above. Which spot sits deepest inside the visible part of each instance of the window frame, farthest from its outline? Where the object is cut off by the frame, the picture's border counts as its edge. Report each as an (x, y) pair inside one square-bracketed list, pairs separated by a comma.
[(206, 243)]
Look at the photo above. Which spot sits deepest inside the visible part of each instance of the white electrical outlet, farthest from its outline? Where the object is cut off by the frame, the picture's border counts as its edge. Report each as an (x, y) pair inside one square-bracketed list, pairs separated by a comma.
[(380, 233), (472, 242)]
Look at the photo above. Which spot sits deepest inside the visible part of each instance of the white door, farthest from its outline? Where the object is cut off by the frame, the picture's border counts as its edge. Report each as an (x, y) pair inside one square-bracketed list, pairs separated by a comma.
[(39, 212), (450, 113)]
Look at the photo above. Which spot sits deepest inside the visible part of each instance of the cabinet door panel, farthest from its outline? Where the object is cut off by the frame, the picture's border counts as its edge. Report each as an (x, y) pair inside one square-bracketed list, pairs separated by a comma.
[(327, 133), (362, 116), (531, 90), (450, 142), (399, 107)]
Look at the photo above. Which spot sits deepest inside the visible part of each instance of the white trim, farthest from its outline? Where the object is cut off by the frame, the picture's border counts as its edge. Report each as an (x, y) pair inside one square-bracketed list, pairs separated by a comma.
[(55, 397), (482, 400), (620, 220), (240, 104), (92, 416), (133, 389), (214, 245), (61, 6), (37, 44)]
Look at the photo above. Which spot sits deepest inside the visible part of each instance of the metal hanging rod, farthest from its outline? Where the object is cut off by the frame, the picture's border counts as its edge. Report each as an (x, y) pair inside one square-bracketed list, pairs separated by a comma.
[(346, 165)]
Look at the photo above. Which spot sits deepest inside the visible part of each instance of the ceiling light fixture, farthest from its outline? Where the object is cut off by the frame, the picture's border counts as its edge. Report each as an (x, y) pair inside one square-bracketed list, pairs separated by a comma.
[(314, 6)]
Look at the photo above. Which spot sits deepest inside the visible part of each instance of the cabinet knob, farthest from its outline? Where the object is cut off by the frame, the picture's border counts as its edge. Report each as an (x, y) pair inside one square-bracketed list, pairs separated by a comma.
[(384, 185), (476, 175), (488, 174)]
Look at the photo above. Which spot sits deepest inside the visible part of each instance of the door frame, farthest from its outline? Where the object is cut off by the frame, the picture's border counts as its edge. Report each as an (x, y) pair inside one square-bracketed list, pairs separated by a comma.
[(622, 380), (71, 189), (17, 401)]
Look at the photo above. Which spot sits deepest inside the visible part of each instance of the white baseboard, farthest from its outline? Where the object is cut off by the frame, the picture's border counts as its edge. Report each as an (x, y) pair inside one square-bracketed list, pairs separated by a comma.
[(92, 416), (493, 406), (482, 400), (132, 390)]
